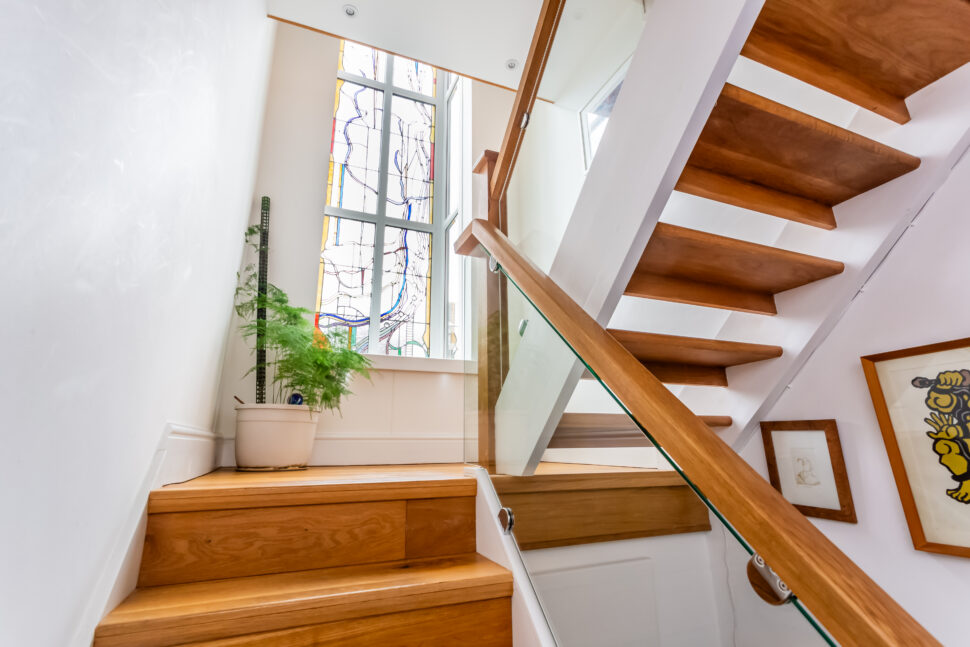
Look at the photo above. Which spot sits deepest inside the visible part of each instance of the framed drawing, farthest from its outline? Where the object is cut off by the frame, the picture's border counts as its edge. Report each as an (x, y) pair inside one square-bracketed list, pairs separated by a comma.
[(805, 464), (922, 400)]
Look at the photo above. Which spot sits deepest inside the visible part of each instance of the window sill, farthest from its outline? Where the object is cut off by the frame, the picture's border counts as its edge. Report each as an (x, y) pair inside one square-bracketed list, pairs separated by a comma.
[(422, 364)]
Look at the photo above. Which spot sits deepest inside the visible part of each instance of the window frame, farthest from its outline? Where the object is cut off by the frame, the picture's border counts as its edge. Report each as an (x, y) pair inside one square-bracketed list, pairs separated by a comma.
[(618, 77), (437, 228)]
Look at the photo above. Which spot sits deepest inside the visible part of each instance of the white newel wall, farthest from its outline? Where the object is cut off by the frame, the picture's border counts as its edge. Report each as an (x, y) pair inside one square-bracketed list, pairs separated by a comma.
[(918, 296), (129, 133), (411, 411)]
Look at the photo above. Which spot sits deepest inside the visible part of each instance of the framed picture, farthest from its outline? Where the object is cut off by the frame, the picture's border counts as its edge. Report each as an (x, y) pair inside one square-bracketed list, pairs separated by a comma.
[(922, 400), (805, 464)]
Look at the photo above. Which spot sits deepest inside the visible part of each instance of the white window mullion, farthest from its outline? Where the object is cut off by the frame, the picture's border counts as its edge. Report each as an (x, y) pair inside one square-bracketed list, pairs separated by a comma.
[(378, 278)]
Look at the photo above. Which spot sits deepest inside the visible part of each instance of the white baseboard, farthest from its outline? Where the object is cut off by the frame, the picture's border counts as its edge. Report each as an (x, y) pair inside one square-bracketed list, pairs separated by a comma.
[(183, 453), (644, 457), (356, 450)]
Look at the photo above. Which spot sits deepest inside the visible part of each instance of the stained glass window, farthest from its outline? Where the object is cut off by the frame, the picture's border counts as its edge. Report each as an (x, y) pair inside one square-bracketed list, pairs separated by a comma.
[(381, 196), (346, 278)]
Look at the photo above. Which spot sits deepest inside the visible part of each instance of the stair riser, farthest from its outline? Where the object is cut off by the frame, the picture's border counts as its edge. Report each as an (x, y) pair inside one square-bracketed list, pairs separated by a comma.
[(486, 624), (215, 544)]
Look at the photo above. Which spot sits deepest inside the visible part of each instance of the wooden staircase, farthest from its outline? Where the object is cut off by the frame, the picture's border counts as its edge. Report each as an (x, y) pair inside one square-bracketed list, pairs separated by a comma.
[(763, 156), (329, 556)]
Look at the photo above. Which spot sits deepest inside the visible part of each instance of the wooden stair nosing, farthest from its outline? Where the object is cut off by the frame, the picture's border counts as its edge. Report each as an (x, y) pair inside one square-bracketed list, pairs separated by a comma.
[(179, 613), (221, 498), (709, 259), (747, 195), (825, 77), (759, 141), (648, 285), (688, 374), (485, 623), (692, 351)]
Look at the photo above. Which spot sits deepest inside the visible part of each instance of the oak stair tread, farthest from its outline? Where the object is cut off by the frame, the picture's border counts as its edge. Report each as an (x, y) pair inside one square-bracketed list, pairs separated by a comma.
[(761, 155), (584, 430), (226, 489), (690, 266), (180, 613), (691, 360), (871, 53)]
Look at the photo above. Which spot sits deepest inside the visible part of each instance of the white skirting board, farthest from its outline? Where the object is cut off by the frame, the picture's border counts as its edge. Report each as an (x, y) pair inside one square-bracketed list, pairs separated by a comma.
[(374, 450), (183, 453), (643, 457)]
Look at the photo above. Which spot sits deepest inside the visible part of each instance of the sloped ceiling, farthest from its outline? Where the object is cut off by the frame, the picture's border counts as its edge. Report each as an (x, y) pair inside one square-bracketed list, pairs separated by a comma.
[(474, 38)]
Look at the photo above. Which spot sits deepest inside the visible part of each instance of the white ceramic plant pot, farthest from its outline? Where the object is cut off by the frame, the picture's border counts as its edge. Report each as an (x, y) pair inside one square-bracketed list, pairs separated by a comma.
[(274, 436)]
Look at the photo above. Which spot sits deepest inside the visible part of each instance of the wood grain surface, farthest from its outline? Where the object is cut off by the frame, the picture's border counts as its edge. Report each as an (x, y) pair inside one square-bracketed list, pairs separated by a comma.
[(870, 52), (182, 613), (484, 624)]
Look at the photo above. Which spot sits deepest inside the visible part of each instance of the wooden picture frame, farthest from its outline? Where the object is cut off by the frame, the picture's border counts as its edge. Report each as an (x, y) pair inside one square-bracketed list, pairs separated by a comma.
[(820, 482), (921, 475)]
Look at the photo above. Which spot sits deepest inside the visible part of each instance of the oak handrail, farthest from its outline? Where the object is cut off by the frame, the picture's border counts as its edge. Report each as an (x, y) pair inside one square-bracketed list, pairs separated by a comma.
[(853, 608), (525, 96)]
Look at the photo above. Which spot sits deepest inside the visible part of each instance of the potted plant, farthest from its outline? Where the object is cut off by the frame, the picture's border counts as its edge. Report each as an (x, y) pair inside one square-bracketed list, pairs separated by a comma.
[(308, 370)]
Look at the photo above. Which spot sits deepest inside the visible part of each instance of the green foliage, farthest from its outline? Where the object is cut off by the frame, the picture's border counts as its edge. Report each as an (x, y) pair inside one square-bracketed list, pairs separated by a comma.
[(300, 358)]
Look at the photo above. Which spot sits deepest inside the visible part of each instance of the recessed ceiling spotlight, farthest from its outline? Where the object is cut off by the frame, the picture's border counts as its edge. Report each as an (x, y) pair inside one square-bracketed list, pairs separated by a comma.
[(511, 64), (350, 10)]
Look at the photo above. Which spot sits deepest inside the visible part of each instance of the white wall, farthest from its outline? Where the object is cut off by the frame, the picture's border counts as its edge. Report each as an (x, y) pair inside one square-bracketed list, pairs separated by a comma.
[(129, 134), (918, 296), (652, 591)]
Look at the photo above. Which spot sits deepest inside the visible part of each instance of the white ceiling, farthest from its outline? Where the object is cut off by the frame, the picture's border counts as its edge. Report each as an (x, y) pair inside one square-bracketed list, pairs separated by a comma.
[(471, 37)]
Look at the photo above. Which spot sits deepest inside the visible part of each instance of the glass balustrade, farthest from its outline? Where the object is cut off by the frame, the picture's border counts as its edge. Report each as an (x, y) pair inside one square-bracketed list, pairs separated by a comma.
[(621, 546)]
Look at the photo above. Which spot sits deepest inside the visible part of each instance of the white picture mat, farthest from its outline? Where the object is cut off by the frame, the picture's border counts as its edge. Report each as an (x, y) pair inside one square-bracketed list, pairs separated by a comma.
[(944, 520), (805, 468)]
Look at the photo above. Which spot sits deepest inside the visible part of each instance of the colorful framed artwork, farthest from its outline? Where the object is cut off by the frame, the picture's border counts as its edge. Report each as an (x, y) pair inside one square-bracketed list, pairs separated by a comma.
[(922, 400), (805, 464)]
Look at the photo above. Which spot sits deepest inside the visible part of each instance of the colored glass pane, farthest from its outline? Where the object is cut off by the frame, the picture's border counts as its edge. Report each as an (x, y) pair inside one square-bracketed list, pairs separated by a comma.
[(411, 160), (405, 293), (345, 279), (414, 76), (355, 148), (362, 60)]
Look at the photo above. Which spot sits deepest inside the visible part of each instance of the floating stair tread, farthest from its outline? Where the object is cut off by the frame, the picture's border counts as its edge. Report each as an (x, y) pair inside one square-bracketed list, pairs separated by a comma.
[(580, 430), (178, 613), (691, 255), (723, 188), (866, 51), (759, 141), (692, 351), (226, 488)]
